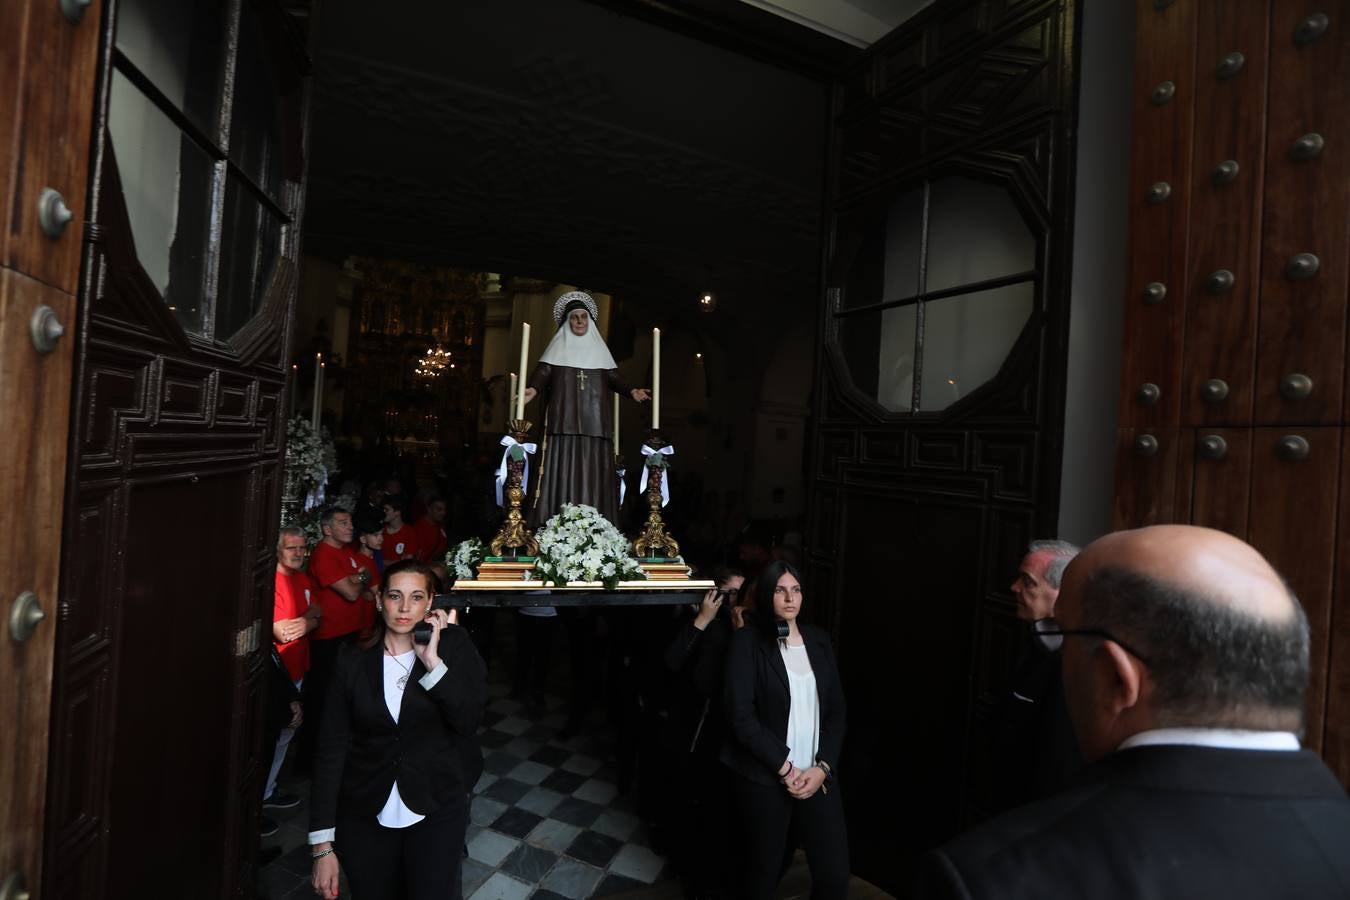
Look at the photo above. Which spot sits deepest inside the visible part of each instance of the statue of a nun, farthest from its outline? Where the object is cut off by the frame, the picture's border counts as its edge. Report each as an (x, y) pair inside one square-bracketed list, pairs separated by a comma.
[(576, 373)]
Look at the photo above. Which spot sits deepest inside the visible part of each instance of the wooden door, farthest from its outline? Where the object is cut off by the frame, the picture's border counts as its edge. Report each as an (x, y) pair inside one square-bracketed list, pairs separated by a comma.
[(939, 396), (1233, 408), (174, 477), (47, 74)]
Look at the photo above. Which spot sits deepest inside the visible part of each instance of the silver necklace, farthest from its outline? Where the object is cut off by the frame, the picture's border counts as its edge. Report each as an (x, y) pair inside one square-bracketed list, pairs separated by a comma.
[(402, 681)]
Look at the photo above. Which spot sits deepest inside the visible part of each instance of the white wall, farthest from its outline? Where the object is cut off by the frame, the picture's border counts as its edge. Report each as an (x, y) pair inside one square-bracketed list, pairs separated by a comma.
[(1099, 269)]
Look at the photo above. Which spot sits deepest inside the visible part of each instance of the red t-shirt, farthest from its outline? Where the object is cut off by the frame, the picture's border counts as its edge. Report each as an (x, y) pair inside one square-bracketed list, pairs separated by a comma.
[(293, 595), (367, 607), (329, 565), (432, 541), (401, 544)]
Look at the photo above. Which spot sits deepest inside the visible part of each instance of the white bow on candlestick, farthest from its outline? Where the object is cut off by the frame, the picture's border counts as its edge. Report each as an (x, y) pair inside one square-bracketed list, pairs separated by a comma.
[(508, 442), (623, 486), (648, 450)]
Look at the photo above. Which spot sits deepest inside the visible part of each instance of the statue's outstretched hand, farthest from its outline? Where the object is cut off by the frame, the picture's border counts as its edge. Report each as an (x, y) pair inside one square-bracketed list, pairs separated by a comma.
[(530, 394), (638, 394)]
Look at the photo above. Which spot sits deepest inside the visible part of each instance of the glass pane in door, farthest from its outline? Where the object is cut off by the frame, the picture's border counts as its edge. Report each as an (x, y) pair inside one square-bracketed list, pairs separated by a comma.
[(178, 45), (975, 232), (967, 337), (166, 183), (249, 248), (878, 346)]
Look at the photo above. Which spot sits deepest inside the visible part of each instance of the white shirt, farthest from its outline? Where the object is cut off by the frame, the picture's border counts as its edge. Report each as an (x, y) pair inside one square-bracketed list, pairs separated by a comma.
[(803, 726), (1226, 738), (395, 813)]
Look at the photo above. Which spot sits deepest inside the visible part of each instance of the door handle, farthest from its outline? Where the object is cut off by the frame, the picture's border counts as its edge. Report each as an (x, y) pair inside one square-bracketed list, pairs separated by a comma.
[(24, 617)]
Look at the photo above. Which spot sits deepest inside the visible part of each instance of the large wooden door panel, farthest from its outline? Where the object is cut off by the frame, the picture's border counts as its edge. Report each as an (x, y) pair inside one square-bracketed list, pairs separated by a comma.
[(1264, 344), (35, 400), (172, 506), (47, 67)]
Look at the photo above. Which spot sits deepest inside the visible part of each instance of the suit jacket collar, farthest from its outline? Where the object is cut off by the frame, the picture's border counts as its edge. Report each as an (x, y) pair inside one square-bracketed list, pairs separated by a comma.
[(1272, 773)]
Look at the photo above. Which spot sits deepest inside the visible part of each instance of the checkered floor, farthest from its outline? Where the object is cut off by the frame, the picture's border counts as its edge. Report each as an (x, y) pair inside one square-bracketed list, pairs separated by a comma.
[(547, 819)]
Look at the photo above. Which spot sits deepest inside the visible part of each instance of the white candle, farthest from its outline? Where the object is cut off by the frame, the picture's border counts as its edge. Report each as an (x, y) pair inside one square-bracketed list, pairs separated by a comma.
[(524, 355), (318, 390), (511, 398), (616, 425), (295, 386), (656, 378)]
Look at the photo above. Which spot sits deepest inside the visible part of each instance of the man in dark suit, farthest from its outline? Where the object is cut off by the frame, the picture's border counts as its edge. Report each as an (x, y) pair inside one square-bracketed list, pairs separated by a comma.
[(1032, 751), (1185, 665)]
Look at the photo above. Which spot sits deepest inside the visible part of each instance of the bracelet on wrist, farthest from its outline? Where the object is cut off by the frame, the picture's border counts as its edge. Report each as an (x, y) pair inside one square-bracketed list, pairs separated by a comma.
[(321, 854)]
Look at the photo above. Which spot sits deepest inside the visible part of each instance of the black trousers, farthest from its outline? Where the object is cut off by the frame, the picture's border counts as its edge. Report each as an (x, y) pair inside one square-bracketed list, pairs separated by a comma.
[(775, 822), (420, 862)]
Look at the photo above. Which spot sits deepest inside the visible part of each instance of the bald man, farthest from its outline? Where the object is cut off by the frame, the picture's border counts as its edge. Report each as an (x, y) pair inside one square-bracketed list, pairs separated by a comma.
[(1185, 664)]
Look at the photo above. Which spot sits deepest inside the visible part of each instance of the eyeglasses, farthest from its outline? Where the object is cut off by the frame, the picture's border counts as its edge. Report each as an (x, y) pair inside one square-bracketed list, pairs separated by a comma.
[(1048, 627)]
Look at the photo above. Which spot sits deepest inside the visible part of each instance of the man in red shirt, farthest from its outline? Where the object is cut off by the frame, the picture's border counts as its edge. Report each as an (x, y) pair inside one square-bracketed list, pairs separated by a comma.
[(432, 541), (342, 597), (369, 541), (400, 539), (293, 618)]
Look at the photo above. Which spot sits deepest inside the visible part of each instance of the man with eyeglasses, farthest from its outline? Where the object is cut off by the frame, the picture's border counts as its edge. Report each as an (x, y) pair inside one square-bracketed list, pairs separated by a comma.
[(1185, 665), (1032, 751)]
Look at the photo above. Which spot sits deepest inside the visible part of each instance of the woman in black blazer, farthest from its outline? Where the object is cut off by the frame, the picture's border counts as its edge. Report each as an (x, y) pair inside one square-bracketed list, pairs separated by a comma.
[(398, 751), (785, 705)]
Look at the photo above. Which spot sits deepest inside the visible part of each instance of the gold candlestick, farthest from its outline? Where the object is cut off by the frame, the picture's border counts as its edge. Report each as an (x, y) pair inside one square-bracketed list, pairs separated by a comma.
[(514, 533), (654, 532)]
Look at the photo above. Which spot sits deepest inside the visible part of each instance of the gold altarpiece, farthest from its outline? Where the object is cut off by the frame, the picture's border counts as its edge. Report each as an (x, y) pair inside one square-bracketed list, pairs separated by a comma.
[(400, 311)]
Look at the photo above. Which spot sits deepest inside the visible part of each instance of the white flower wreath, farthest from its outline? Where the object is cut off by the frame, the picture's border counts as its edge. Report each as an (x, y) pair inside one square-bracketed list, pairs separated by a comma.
[(580, 544)]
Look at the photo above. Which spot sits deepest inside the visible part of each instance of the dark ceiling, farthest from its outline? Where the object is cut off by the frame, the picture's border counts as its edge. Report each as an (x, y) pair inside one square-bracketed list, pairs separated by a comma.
[(642, 154)]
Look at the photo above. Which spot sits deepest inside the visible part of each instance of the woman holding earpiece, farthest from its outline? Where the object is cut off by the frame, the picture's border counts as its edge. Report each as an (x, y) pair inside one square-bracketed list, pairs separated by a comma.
[(785, 705), (398, 751)]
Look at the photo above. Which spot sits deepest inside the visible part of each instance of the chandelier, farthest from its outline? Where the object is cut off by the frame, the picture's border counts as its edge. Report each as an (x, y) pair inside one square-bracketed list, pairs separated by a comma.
[(433, 363)]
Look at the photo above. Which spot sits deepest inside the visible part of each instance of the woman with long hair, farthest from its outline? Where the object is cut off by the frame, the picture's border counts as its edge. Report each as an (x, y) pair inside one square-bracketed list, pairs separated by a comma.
[(785, 705), (398, 751)]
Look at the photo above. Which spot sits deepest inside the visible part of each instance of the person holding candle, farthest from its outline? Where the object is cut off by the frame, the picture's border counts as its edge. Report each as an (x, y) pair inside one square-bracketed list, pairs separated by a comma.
[(577, 374)]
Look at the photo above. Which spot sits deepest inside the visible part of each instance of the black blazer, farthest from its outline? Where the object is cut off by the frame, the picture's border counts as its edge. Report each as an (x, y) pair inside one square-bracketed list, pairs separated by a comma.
[(1164, 822), (432, 751), (757, 703)]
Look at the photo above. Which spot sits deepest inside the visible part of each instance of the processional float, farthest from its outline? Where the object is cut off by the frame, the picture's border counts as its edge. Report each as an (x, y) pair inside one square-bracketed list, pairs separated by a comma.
[(511, 573)]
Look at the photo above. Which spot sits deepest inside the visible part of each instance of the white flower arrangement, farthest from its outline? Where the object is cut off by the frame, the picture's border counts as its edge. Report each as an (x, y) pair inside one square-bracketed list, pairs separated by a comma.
[(310, 459), (580, 544), (463, 560)]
